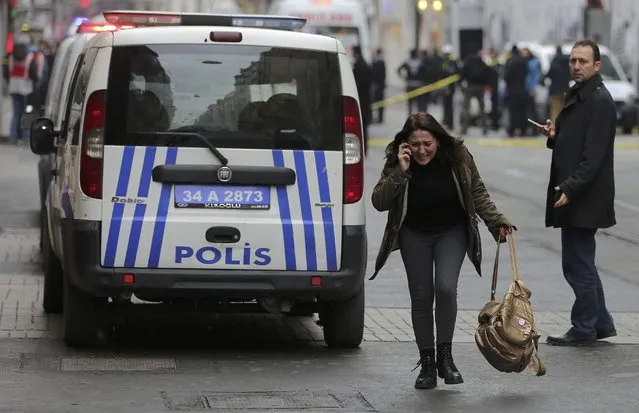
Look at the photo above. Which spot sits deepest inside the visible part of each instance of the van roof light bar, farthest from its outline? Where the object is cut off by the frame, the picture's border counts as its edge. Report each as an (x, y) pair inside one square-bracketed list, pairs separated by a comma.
[(158, 18), (99, 27)]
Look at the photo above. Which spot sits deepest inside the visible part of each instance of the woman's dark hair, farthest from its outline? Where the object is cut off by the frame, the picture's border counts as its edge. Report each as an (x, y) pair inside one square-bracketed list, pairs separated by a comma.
[(449, 146)]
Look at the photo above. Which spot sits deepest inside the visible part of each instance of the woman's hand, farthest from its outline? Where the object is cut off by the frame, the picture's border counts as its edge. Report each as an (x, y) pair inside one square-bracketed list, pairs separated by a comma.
[(403, 156), (504, 231)]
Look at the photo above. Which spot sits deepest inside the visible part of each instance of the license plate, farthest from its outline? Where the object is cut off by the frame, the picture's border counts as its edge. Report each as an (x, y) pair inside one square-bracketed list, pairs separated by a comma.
[(222, 197)]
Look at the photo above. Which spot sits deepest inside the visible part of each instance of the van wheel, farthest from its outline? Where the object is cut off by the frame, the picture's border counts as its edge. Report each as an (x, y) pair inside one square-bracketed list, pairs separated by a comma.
[(52, 299), (80, 321), (343, 321)]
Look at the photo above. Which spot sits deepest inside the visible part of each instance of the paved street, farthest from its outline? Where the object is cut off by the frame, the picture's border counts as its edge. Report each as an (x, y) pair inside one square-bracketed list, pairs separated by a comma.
[(257, 363)]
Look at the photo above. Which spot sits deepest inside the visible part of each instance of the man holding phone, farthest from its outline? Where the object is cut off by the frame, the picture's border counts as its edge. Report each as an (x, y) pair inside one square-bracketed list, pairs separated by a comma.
[(581, 190)]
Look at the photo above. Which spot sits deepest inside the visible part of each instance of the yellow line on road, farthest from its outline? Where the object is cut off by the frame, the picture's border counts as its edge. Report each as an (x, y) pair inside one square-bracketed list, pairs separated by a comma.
[(510, 142)]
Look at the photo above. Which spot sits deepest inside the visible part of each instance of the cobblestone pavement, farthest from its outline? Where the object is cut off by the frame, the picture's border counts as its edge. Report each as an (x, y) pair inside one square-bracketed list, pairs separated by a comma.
[(21, 314)]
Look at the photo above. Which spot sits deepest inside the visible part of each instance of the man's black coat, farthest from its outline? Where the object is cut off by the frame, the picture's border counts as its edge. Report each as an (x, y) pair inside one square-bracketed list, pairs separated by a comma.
[(583, 159)]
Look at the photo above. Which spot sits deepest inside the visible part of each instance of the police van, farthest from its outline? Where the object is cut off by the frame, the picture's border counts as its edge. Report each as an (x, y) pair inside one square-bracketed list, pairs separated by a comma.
[(66, 56), (207, 157)]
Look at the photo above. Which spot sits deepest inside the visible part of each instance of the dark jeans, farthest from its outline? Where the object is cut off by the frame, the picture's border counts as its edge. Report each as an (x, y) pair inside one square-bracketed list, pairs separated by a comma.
[(449, 114), (589, 314), (517, 112), (446, 251), (19, 103), (378, 94), (419, 102)]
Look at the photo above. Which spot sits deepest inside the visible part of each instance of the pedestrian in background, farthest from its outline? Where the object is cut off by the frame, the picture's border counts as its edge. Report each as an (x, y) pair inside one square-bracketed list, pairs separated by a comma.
[(559, 75), (515, 74), (363, 79), (433, 174), (581, 190), (533, 80), (21, 72), (475, 73), (378, 69), (412, 72)]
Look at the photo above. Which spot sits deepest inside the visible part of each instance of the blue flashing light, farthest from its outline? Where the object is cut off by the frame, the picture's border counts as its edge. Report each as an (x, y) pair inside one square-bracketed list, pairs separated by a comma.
[(270, 22), (78, 20)]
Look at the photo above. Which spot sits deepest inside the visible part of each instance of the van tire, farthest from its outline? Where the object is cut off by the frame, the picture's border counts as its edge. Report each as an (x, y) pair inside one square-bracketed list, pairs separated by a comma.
[(52, 297), (343, 321), (80, 322)]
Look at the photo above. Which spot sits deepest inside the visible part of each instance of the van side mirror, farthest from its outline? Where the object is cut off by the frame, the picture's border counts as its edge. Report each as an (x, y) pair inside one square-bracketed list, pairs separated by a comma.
[(42, 136)]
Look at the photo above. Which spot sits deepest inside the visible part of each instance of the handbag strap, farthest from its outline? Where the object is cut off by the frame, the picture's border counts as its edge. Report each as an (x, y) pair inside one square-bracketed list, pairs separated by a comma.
[(513, 262)]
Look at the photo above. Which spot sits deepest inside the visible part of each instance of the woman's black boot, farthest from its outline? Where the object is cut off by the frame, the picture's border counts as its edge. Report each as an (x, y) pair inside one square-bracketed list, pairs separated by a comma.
[(427, 378), (445, 365)]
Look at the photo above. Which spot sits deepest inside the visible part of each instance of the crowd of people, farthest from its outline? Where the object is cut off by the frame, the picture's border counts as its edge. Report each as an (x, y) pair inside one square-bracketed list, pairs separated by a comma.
[(480, 76)]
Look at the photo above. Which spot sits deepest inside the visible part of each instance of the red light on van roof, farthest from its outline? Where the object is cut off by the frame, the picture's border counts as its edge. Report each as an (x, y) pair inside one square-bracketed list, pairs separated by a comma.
[(142, 19), (92, 27)]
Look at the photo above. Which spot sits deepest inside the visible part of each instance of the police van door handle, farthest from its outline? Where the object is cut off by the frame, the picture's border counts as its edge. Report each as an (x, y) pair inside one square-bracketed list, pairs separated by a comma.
[(223, 234)]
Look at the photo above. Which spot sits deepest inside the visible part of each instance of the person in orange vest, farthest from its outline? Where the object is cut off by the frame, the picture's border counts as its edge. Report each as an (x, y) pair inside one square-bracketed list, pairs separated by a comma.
[(21, 74)]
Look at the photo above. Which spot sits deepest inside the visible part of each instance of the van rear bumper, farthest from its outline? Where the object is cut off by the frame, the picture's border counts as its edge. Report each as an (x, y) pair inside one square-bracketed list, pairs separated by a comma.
[(83, 269)]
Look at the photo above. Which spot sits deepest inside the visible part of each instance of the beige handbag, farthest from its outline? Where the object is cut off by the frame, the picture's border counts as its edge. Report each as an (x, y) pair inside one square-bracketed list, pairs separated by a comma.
[(506, 334)]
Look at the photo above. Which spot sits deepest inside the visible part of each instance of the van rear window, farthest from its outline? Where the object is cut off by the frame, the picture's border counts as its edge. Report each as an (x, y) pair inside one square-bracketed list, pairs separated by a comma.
[(234, 96)]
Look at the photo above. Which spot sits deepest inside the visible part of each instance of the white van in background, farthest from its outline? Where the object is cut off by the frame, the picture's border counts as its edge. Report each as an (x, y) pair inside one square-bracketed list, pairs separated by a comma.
[(616, 80), (345, 20)]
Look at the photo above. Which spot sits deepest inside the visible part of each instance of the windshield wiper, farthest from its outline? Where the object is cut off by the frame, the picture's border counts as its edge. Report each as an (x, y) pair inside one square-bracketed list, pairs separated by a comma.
[(206, 142)]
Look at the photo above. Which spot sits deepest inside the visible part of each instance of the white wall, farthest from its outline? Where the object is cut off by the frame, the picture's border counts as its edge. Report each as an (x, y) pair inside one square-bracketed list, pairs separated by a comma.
[(625, 34), (396, 35), (540, 20)]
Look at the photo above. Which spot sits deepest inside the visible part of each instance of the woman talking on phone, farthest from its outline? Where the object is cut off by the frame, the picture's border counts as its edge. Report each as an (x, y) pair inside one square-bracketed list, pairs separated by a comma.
[(433, 193)]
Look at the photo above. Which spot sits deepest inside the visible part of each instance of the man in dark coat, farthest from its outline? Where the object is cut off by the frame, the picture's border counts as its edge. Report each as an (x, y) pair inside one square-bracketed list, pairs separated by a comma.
[(581, 190)]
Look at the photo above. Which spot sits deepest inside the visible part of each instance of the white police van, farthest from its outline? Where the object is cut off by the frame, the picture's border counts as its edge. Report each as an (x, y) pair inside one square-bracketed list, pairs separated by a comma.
[(55, 102), (208, 157)]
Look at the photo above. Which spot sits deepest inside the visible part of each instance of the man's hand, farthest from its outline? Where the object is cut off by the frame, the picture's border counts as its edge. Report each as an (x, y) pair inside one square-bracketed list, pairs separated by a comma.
[(563, 199), (548, 129)]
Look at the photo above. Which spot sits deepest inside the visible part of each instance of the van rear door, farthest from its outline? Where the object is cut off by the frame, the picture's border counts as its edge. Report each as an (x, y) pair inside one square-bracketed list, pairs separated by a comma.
[(224, 157)]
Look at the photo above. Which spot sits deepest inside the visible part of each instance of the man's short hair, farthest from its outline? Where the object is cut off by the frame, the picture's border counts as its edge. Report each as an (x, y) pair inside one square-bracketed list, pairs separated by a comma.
[(592, 44)]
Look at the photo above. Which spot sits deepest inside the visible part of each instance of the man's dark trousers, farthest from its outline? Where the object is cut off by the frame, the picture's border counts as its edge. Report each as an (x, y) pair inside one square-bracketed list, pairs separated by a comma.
[(589, 313)]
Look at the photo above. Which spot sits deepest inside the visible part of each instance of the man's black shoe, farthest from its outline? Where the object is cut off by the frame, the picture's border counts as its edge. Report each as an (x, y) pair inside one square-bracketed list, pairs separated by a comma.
[(568, 339), (606, 334)]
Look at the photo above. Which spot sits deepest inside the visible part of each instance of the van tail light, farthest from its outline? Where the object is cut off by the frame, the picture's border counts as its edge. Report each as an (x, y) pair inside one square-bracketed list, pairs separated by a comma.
[(353, 151), (91, 161)]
